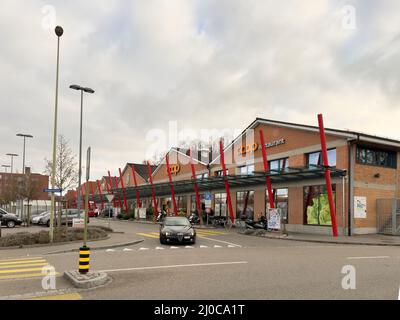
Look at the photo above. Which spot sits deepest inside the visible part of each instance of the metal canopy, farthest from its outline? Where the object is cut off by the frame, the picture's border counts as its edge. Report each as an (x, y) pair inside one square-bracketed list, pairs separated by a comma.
[(235, 181)]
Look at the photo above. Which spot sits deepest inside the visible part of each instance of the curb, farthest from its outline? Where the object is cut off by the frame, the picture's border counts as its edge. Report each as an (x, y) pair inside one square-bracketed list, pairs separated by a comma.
[(51, 245), (118, 245), (79, 281), (326, 241)]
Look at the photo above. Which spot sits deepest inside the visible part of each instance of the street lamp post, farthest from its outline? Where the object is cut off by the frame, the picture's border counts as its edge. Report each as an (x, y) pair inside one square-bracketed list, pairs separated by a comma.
[(12, 155), (22, 135), (82, 90), (59, 32)]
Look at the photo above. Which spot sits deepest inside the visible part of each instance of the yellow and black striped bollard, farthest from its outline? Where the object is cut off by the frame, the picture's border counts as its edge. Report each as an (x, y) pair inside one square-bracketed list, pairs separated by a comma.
[(84, 260)]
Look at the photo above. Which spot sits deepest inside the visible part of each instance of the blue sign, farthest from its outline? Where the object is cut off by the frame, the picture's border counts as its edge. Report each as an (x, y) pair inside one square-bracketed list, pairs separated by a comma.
[(208, 196), (52, 190)]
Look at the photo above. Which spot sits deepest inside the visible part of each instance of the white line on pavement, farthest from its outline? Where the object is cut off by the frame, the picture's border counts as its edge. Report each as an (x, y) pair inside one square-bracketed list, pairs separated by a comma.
[(359, 258), (143, 249), (232, 244), (399, 294), (177, 266)]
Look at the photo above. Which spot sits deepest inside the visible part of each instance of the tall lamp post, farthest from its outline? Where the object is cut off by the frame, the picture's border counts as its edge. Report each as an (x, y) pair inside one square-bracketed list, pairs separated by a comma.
[(6, 166), (59, 32), (82, 90), (12, 155), (24, 136)]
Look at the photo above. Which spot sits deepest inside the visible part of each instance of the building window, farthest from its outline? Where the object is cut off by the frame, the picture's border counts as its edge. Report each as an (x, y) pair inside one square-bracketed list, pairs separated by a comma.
[(193, 204), (279, 164), (246, 170), (202, 176), (220, 206), (219, 173), (281, 201), (245, 204), (315, 158), (181, 203), (376, 157), (316, 205)]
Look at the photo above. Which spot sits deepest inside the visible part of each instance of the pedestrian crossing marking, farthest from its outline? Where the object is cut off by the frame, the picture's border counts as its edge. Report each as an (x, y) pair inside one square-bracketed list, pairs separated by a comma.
[(21, 276), (42, 264), (149, 235), (199, 233), (68, 296), (20, 268), (21, 262)]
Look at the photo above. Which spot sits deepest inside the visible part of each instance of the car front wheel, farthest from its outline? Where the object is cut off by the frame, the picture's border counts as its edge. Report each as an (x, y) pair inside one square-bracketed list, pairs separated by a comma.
[(10, 224)]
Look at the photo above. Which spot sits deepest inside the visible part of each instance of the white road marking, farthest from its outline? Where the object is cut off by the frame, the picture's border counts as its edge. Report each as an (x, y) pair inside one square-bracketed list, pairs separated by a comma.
[(226, 242), (110, 250), (127, 249), (231, 246), (217, 246), (177, 266), (399, 294), (174, 248), (159, 248), (189, 247), (202, 247), (359, 258), (143, 249)]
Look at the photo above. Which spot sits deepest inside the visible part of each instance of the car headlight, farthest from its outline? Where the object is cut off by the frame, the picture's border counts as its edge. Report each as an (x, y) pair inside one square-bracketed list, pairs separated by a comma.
[(167, 234), (191, 233)]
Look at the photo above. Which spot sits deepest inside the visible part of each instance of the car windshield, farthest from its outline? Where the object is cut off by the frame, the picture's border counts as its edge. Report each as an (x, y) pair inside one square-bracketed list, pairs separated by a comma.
[(175, 222)]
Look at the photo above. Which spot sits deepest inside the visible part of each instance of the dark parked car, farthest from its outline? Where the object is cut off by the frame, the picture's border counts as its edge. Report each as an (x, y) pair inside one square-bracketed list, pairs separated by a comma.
[(178, 230), (8, 219)]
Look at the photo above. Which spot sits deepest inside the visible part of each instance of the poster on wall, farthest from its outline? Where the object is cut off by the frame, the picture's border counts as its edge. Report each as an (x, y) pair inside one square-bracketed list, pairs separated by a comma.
[(274, 219), (360, 207)]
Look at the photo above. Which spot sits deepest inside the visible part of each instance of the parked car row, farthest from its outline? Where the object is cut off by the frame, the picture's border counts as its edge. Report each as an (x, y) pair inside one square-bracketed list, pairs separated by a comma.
[(66, 216), (8, 219)]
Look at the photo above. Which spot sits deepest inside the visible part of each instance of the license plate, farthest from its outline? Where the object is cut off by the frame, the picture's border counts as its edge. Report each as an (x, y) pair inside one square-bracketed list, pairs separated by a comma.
[(187, 237)]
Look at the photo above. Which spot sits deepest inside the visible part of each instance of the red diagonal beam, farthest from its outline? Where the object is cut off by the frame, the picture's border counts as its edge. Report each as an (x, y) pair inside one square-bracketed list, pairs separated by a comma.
[(101, 194), (110, 188), (123, 191), (116, 191), (139, 205), (228, 194), (152, 189), (266, 169), (171, 185), (92, 190), (327, 174), (196, 188)]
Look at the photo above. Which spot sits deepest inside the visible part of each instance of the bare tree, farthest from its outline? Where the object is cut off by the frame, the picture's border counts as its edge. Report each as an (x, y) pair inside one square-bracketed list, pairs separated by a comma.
[(29, 191), (66, 176)]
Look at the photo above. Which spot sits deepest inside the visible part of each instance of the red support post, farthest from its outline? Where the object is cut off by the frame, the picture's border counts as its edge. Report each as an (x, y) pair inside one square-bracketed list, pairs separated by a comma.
[(139, 205), (92, 190), (196, 188), (152, 189), (110, 188), (123, 191), (324, 152), (116, 191), (171, 184), (101, 194), (228, 194), (266, 169)]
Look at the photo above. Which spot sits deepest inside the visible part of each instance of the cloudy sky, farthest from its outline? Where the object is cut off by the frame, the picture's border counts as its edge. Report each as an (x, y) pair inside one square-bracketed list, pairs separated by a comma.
[(205, 64)]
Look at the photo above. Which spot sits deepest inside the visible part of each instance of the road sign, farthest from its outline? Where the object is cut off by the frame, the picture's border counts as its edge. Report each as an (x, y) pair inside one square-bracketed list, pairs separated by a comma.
[(88, 164), (110, 197), (52, 190), (208, 196), (78, 223)]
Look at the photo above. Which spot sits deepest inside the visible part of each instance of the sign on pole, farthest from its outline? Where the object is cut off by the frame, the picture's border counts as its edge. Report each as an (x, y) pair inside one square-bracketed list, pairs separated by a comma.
[(274, 219), (208, 202)]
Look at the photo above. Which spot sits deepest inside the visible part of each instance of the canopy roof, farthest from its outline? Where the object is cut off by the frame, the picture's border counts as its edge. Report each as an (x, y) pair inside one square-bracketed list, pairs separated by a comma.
[(235, 181)]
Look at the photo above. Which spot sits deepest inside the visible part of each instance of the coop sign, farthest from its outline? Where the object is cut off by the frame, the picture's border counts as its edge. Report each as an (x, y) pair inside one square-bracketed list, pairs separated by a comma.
[(275, 143), (175, 169), (250, 148)]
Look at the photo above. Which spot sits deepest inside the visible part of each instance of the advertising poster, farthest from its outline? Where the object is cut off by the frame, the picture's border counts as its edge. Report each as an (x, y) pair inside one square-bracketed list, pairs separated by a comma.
[(360, 207), (274, 219)]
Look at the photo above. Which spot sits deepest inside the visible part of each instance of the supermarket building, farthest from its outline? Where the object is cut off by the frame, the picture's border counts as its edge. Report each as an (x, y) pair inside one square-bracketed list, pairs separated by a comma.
[(365, 179)]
